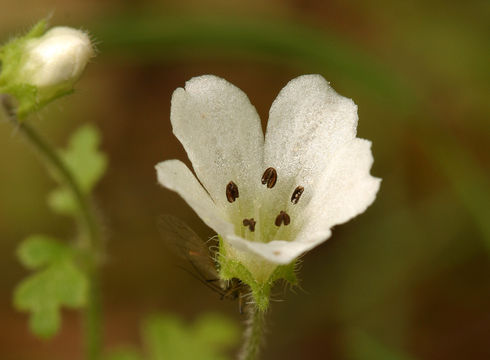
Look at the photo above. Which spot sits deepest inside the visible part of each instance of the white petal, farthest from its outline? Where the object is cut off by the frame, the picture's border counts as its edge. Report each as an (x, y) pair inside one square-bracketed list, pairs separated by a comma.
[(280, 251), (176, 176), (344, 189), (221, 132), (308, 123), (60, 55)]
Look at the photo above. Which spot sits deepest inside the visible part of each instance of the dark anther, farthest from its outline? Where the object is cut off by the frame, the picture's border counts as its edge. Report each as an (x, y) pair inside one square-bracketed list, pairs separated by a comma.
[(297, 194), (269, 177), (232, 192), (282, 218), (250, 223)]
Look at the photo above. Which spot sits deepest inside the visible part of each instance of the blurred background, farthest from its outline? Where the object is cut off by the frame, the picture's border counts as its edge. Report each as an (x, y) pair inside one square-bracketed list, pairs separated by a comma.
[(408, 279)]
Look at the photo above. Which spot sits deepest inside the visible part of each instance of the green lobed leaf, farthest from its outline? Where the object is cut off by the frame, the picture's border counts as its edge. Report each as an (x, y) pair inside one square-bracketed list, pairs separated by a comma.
[(46, 322), (168, 337), (39, 250), (62, 201), (58, 283), (216, 330), (83, 157), (87, 164), (125, 353)]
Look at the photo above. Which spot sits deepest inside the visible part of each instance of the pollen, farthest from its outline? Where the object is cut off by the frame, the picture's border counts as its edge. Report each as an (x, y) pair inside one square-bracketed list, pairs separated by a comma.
[(297, 194), (282, 218), (232, 192), (250, 223), (269, 177)]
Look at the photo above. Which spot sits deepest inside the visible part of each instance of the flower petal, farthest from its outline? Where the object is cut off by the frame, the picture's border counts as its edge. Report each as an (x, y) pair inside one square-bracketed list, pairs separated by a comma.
[(176, 176), (308, 123), (343, 190), (221, 132), (280, 251)]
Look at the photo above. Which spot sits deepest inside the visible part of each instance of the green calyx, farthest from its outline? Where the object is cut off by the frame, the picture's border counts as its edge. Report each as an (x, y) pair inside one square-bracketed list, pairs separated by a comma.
[(28, 97), (260, 286), (12, 57)]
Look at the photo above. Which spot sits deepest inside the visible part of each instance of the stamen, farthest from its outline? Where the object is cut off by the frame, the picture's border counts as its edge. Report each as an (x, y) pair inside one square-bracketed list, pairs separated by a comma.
[(297, 194), (269, 177), (232, 192), (282, 218), (250, 223)]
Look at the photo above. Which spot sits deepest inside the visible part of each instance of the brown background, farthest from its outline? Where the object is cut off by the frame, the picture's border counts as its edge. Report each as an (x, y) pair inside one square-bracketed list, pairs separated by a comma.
[(409, 279)]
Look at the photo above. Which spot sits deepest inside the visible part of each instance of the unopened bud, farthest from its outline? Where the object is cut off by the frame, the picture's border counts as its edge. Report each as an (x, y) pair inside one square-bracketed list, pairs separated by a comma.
[(42, 66), (57, 57)]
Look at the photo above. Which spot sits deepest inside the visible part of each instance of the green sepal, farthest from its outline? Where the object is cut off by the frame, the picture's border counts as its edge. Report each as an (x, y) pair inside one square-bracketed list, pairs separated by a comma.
[(231, 268), (285, 272), (56, 282), (28, 97), (12, 59)]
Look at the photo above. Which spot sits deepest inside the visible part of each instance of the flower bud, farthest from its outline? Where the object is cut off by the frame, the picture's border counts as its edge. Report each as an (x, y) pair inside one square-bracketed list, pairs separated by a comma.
[(57, 57), (43, 65)]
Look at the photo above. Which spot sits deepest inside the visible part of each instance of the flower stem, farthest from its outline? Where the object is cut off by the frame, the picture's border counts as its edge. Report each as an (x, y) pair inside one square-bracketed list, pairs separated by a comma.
[(90, 242), (93, 317), (254, 334)]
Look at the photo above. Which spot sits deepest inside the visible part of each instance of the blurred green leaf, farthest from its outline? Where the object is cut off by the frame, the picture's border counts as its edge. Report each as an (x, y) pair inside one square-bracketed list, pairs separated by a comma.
[(216, 330), (39, 250), (86, 162), (392, 248), (468, 180), (62, 202), (147, 36), (124, 354), (362, 346), (83, 157), (168, 337), (58, 283)]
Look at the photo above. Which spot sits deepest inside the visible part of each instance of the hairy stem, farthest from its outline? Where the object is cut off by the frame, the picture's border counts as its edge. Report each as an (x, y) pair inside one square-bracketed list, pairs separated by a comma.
[(90, 242), (254, 334), (93, 317)]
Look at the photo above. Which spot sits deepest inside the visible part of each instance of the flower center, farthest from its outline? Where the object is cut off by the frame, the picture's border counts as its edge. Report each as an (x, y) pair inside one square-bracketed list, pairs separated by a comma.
[(266, 224)]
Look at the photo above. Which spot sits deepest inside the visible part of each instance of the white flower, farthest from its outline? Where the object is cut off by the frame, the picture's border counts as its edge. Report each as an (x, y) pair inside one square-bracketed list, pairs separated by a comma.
[(57, 57), (269, 199)]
